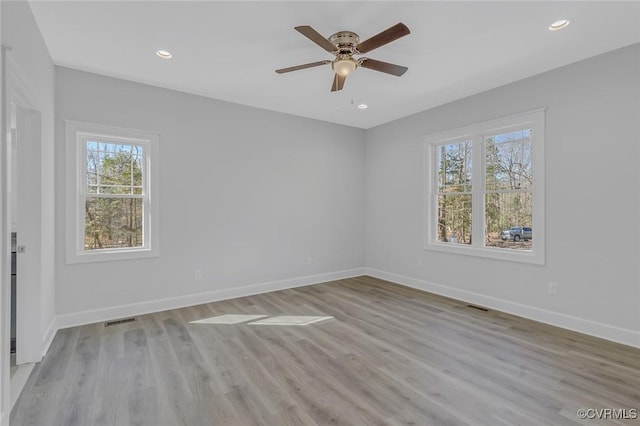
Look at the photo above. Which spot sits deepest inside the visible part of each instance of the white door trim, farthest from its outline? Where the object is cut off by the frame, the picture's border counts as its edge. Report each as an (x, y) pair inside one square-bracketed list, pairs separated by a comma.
[(28, 313), (5, 249), (29, 322)]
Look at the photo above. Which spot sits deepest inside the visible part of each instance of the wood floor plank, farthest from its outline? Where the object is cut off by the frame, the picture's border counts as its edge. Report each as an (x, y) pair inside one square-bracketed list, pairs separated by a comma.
[(78, 397), (391, 355)]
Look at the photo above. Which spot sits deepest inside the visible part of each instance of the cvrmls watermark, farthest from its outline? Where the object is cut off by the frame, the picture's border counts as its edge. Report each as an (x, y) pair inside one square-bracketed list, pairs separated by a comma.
[(608, 413)]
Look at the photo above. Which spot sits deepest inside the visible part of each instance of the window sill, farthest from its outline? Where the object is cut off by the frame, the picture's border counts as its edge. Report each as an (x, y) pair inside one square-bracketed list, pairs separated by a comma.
[(111, 255), (510, 255)]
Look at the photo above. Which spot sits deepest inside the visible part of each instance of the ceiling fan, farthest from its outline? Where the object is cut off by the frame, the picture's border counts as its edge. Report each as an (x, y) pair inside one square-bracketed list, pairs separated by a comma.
[(344, 45)]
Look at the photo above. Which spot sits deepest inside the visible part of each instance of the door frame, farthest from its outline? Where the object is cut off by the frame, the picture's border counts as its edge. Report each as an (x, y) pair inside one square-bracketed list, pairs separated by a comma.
[(5, 251), (28, 310)]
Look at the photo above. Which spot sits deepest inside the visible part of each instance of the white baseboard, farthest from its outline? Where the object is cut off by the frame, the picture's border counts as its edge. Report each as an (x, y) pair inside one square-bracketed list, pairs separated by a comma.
[(115, 312), (581, 325)]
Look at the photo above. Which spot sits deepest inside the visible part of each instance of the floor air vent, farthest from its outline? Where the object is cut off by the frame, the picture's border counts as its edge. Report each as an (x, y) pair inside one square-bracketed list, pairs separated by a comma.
[(119, 321), (480, 308)]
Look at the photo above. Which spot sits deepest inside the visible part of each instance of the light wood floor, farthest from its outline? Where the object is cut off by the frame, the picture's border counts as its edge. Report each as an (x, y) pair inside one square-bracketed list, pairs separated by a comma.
[(390, 356)]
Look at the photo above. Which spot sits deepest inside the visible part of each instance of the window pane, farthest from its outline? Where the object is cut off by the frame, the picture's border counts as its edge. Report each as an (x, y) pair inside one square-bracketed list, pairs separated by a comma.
[(113, 223), (114, 168), (508, 158), (454, 218), (92, 181), (454, 167), (508, 220), (136, 170), (92, 167)]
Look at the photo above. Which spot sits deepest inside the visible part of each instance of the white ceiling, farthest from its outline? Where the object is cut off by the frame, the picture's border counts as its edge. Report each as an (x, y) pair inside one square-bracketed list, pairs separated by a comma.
[(229, 50)]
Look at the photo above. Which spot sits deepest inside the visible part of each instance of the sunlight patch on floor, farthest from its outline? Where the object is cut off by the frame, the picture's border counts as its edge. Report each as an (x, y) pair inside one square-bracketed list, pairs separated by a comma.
[(228, 319), (290, 320)]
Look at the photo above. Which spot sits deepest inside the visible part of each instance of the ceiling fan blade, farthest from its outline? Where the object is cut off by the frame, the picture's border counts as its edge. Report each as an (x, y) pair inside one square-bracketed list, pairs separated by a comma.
[(385, 67), (385, 37), (301, 67), (316, 37), (338, 83)]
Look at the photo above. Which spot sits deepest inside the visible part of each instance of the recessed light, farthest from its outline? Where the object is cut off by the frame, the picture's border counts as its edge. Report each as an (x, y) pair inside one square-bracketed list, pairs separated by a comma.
[(164, 54), (363, 106), (559, 24)]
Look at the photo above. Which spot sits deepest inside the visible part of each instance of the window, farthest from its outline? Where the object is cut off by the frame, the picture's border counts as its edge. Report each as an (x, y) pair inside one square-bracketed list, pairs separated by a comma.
[(111, 193), (485, 189)]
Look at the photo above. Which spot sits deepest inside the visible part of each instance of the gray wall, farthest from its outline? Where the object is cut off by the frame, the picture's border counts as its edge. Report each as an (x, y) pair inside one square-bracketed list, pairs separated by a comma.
[(246, 195), (592, 192)]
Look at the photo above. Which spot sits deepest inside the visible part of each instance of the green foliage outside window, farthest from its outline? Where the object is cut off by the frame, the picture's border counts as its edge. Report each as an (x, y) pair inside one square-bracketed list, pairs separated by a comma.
[(113, 203), (508, 181)]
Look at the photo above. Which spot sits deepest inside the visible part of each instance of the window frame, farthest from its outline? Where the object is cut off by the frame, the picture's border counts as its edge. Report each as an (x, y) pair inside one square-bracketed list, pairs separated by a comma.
[(77, 133), (476, 133)]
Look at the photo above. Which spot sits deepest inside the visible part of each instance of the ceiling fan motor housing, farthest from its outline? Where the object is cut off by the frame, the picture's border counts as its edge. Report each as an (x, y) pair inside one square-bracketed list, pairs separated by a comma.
[(345, 42)]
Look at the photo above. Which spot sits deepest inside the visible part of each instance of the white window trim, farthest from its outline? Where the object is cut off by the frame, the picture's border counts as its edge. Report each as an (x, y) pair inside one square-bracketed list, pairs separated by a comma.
[(534, 120), (75, 133)]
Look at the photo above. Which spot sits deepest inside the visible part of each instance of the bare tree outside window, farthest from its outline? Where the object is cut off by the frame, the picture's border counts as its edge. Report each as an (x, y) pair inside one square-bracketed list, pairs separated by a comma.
[(507, 191), (509, 185), (454, 192), (114, 198)]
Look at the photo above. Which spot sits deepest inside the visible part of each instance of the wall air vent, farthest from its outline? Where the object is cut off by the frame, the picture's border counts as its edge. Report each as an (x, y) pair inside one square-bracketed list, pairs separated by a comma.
[(480, 308)]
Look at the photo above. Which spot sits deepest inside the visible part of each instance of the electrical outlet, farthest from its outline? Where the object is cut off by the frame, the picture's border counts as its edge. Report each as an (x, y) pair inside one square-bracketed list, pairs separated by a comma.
[(197, 275), (309, 260), (553, 288)]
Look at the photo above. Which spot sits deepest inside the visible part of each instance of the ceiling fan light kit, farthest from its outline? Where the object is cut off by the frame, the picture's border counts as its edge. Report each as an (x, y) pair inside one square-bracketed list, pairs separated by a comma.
[(344, 45), (344, 66)]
